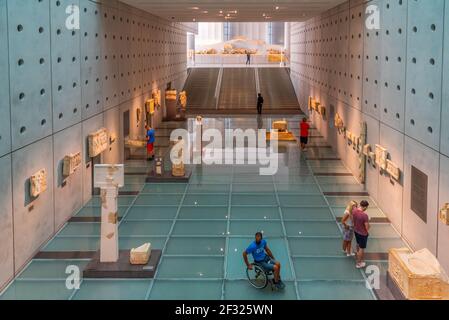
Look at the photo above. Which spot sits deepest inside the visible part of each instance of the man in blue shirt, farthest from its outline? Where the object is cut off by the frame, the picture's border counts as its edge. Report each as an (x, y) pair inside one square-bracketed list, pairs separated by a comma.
[(263, 256), (150, 142)]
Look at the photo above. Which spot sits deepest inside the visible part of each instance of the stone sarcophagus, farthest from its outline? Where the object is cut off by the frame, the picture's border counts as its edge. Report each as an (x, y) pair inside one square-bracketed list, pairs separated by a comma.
[(38, 183), (418, 275), (71, 163), (280, 125), (98, 142), (140, 255)]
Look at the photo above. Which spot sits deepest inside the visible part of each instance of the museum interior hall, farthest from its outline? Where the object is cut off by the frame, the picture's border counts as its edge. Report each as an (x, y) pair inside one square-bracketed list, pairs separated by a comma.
[(224, 150)]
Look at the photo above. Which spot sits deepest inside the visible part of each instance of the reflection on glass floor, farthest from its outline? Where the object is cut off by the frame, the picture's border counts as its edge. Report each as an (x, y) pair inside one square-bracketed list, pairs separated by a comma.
[(204, 226)]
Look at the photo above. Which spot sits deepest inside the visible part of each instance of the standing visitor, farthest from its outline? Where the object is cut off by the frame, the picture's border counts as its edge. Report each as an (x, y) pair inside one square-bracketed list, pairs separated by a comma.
[(304, 134), (260, 102), (248, 58), (361, 231), (348, 229), (151, 138)]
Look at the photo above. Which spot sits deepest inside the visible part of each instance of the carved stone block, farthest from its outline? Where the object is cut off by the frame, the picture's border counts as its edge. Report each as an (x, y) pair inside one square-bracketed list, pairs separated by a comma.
[(38, 183), (322, 110), (71, 163), (418, 275), (171, 95), (140, 255), (280, 125), (98, 142), (183, 99), (149, 106), (366, 149), (444, 214), (381, 157), (393, 170), (338, 122), (135, 143)]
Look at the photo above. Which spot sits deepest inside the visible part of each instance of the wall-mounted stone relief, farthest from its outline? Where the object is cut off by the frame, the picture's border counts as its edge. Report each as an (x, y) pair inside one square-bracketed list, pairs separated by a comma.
[(381, 157), (38, 183), (98, 142), (444, 214), (393, 170), (71, 163)]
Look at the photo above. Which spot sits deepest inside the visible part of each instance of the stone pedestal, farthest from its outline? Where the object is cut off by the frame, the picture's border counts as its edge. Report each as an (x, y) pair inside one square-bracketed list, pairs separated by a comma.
[(109, 247)]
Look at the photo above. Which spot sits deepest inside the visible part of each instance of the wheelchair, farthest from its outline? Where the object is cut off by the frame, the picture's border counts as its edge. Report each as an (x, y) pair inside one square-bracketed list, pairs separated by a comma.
[(259, 277)]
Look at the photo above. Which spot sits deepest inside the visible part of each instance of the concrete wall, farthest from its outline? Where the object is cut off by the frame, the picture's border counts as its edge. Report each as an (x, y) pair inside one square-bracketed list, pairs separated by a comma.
[(396, 80), (59, 85)]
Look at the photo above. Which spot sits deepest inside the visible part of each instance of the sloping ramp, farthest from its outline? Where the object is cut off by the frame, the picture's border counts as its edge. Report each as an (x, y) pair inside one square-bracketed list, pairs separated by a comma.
[(277, 89), (238, 89), (200, 87)]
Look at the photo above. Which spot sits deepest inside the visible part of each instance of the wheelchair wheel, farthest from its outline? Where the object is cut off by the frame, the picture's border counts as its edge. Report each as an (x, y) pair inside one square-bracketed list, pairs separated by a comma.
[(257, 277)]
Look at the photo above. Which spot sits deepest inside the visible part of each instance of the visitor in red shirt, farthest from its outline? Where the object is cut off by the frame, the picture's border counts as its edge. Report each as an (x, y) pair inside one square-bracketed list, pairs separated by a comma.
[(361, 231), (304, 134)]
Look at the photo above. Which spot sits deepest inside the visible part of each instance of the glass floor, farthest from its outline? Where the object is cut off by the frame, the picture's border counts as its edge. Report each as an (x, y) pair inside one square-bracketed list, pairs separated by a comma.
[(204, 226)]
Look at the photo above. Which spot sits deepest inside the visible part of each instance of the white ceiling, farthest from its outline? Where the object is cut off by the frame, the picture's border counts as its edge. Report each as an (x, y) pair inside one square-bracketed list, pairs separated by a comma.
[(234, 10)]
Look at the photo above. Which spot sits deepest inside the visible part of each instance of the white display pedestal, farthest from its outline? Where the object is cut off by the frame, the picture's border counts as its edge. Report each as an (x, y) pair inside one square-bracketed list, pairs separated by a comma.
[(109, 178), (109, 250)]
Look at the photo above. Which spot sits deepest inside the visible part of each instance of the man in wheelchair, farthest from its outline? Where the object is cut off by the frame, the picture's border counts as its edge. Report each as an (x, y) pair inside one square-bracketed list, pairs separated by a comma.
[(264, 258)]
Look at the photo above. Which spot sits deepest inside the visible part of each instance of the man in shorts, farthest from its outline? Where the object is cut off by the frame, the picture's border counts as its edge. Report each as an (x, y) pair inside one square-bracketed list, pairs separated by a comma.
[(361, 232), (264, 257), (304, 134), (151, 138)]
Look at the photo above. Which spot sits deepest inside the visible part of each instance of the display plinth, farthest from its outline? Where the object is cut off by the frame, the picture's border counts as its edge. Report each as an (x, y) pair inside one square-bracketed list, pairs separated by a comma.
[(417, 275), (122, 269)]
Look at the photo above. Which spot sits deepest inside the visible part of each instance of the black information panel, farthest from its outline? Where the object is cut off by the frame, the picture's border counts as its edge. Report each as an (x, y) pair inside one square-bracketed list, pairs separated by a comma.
[(419, 193)]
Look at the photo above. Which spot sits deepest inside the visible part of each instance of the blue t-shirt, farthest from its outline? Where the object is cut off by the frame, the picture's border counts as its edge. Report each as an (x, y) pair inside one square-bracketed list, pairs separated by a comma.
[(257, 250), (150, 135)]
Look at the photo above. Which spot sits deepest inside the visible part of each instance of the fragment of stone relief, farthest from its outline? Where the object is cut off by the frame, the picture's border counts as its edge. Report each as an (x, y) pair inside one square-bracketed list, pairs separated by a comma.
[(38, 183), (71, 163), (98, 142)]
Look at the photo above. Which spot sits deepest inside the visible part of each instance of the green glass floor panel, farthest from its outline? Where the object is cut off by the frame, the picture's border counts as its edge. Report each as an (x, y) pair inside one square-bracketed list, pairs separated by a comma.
[(208, 188), (302, 200), (249, 228), (73, 244), (334, 290), (336, 180), (254, 199), (326, 268), (200, 228), (242, 290), (196, 246), (316, 246), (80, 229), (382, 230), (113, 290), (253, 187), (342, 188), (197, 179), (145, 228), (206, 200), (383, 245), (186, 290), (164, 188), (127, 243), (251, 178), (50, 269), (37, 290), (151, 212), (96, 212), (255, 213), (191, 268), (134, 187), (159, 199), (306, 214), (281, 179), (298, 189), (122, 201), (209, 213), (312, 229), (236, 268)]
